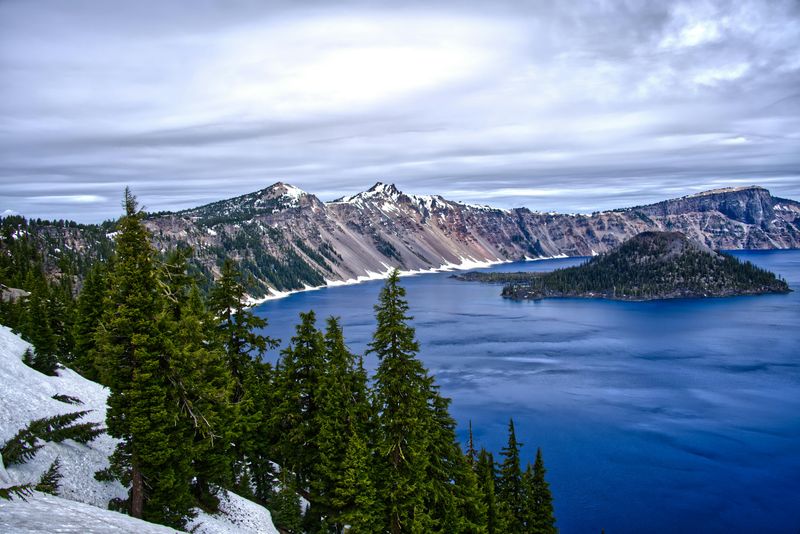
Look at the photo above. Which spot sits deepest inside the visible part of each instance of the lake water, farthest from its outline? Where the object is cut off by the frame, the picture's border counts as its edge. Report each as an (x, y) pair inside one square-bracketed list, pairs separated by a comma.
[(668, 416)]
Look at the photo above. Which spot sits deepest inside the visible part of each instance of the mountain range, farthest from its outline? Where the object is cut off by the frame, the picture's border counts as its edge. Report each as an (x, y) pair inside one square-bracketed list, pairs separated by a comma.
[(288, 239)]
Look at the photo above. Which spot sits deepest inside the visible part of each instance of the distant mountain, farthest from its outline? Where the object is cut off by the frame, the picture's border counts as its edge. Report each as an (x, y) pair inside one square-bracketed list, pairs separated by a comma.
[(651, 265), (288, 239)]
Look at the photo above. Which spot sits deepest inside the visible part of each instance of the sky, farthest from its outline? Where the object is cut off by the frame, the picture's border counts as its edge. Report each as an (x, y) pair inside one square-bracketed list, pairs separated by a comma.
[(553, 105)]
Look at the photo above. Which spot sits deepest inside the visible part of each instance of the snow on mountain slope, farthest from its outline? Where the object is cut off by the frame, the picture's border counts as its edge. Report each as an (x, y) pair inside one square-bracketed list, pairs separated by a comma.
[(46, 513), (27, 395)]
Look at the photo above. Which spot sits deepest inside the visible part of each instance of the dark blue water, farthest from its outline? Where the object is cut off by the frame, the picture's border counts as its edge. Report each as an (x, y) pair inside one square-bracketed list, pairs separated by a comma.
[(669, 416)]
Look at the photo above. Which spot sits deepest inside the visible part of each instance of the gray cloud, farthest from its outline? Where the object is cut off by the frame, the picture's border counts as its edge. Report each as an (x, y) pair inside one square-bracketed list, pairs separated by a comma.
[(566, 106)]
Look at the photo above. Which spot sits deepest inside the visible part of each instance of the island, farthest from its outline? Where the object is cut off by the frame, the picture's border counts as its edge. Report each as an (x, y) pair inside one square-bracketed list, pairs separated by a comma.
[(648, 266)]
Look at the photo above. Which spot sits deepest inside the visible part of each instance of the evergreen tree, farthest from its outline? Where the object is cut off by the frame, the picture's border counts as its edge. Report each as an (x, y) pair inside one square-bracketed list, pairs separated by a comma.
[(88, 316), (296, 413), (285, 508), (200, 378), (509, 483), (342, 416), (155, 454), (237, 331), (539, 516), (38, 328), (50, 479), (404, 418), (486, 474), (455, 501), (354, 498)]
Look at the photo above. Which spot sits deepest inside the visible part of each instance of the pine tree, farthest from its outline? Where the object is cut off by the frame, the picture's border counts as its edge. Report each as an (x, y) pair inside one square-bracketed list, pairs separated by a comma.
[(342, 416), (354, 498), (50, 479), (155, 454), (509, 483), (486, 474), (285, 508), (455, 500), (471, 454), (89, 313), (200, 379), (296, 413), (538, 499), (38, 328), (237, 331), (404, 418)]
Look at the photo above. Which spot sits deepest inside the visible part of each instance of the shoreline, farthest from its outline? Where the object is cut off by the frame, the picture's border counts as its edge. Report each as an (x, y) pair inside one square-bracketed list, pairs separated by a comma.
[(370, 276)]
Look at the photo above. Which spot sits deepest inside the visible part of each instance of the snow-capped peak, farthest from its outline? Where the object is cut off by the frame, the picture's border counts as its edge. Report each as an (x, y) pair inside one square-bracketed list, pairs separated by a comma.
[(379, 191)]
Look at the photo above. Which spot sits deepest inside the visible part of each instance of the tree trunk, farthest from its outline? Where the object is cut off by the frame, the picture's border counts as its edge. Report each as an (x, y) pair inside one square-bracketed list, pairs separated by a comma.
[(137, 493)]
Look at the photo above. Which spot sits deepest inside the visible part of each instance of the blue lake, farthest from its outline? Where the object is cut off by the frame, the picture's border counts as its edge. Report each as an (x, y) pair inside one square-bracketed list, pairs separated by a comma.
[(667, 416)]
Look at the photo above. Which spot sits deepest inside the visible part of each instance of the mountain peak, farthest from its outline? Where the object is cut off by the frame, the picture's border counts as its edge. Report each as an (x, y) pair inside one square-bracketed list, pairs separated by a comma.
[(380, 191), (284, 189), (381, 188)]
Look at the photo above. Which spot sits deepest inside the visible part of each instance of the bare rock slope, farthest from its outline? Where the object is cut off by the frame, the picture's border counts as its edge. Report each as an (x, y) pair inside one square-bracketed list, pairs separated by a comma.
[(289, 239)]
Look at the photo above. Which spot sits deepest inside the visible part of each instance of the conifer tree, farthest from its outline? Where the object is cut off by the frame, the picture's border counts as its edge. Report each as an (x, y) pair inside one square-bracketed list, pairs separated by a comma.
[(342, 416), (354, 498), (509, 483), (155, 454), (237, 331), (296, 413), (538, 499), (455, 501), (200, 379), (404, 418), (486, 474), (38, 328), (50, 479), (89, 313)]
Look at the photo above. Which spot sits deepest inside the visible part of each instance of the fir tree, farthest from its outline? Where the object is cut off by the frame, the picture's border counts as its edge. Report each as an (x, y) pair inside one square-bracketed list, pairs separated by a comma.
[(354, 498), (286, 511), (237, 331), (342, 416), (509, 483), (404, 418), (538, 499), (200, 378), (486, 474), (38, 329), (155, 454), (296, 413), (50, 479), (88, 315)]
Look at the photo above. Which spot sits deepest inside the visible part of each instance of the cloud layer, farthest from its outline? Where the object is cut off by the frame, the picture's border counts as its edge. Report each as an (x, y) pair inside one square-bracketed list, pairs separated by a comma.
[(566, 106)]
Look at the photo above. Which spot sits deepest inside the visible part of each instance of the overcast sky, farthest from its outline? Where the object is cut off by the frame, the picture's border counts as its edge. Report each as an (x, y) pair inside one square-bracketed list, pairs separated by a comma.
[(565, 106)]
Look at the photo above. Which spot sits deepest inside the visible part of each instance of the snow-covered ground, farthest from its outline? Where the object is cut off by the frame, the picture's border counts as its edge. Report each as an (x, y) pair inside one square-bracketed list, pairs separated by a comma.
[(27, 394)]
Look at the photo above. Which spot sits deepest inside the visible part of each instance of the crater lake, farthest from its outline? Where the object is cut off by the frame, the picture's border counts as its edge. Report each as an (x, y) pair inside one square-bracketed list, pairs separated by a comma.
[(660, 416)]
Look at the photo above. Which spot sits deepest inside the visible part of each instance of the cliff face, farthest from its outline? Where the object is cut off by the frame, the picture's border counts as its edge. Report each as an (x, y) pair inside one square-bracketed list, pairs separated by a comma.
[(384, 227), (287, 239)]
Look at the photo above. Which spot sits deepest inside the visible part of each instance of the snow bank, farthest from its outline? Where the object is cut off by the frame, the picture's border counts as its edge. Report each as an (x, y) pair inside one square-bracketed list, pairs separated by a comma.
[(83, 501), (46, 513)]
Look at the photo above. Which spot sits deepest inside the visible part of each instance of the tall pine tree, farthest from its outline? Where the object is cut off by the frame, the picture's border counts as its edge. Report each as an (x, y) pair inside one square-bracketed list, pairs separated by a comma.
[(404, 417), (155, 453), (539, 518), (509, 484)]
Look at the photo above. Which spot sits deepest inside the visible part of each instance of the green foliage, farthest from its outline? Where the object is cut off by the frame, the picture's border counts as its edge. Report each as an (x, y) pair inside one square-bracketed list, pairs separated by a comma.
[(286, 511), (647, 266), (21, 491), (89, 313), (538, 512), (143, 407), (509, 484), (66, 399), (25, 443), (50, 479), (295, 414)]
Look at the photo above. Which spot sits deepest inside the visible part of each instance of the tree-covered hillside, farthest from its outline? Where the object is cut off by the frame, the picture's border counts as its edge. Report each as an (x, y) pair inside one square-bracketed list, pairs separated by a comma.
[(651, 265)]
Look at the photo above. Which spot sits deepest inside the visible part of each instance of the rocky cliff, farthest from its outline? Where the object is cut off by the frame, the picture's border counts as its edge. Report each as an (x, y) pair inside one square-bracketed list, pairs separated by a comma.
[(289, 239)]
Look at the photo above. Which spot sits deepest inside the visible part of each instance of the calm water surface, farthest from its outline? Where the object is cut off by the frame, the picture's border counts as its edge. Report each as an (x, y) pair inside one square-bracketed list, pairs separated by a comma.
[(669, 416)]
